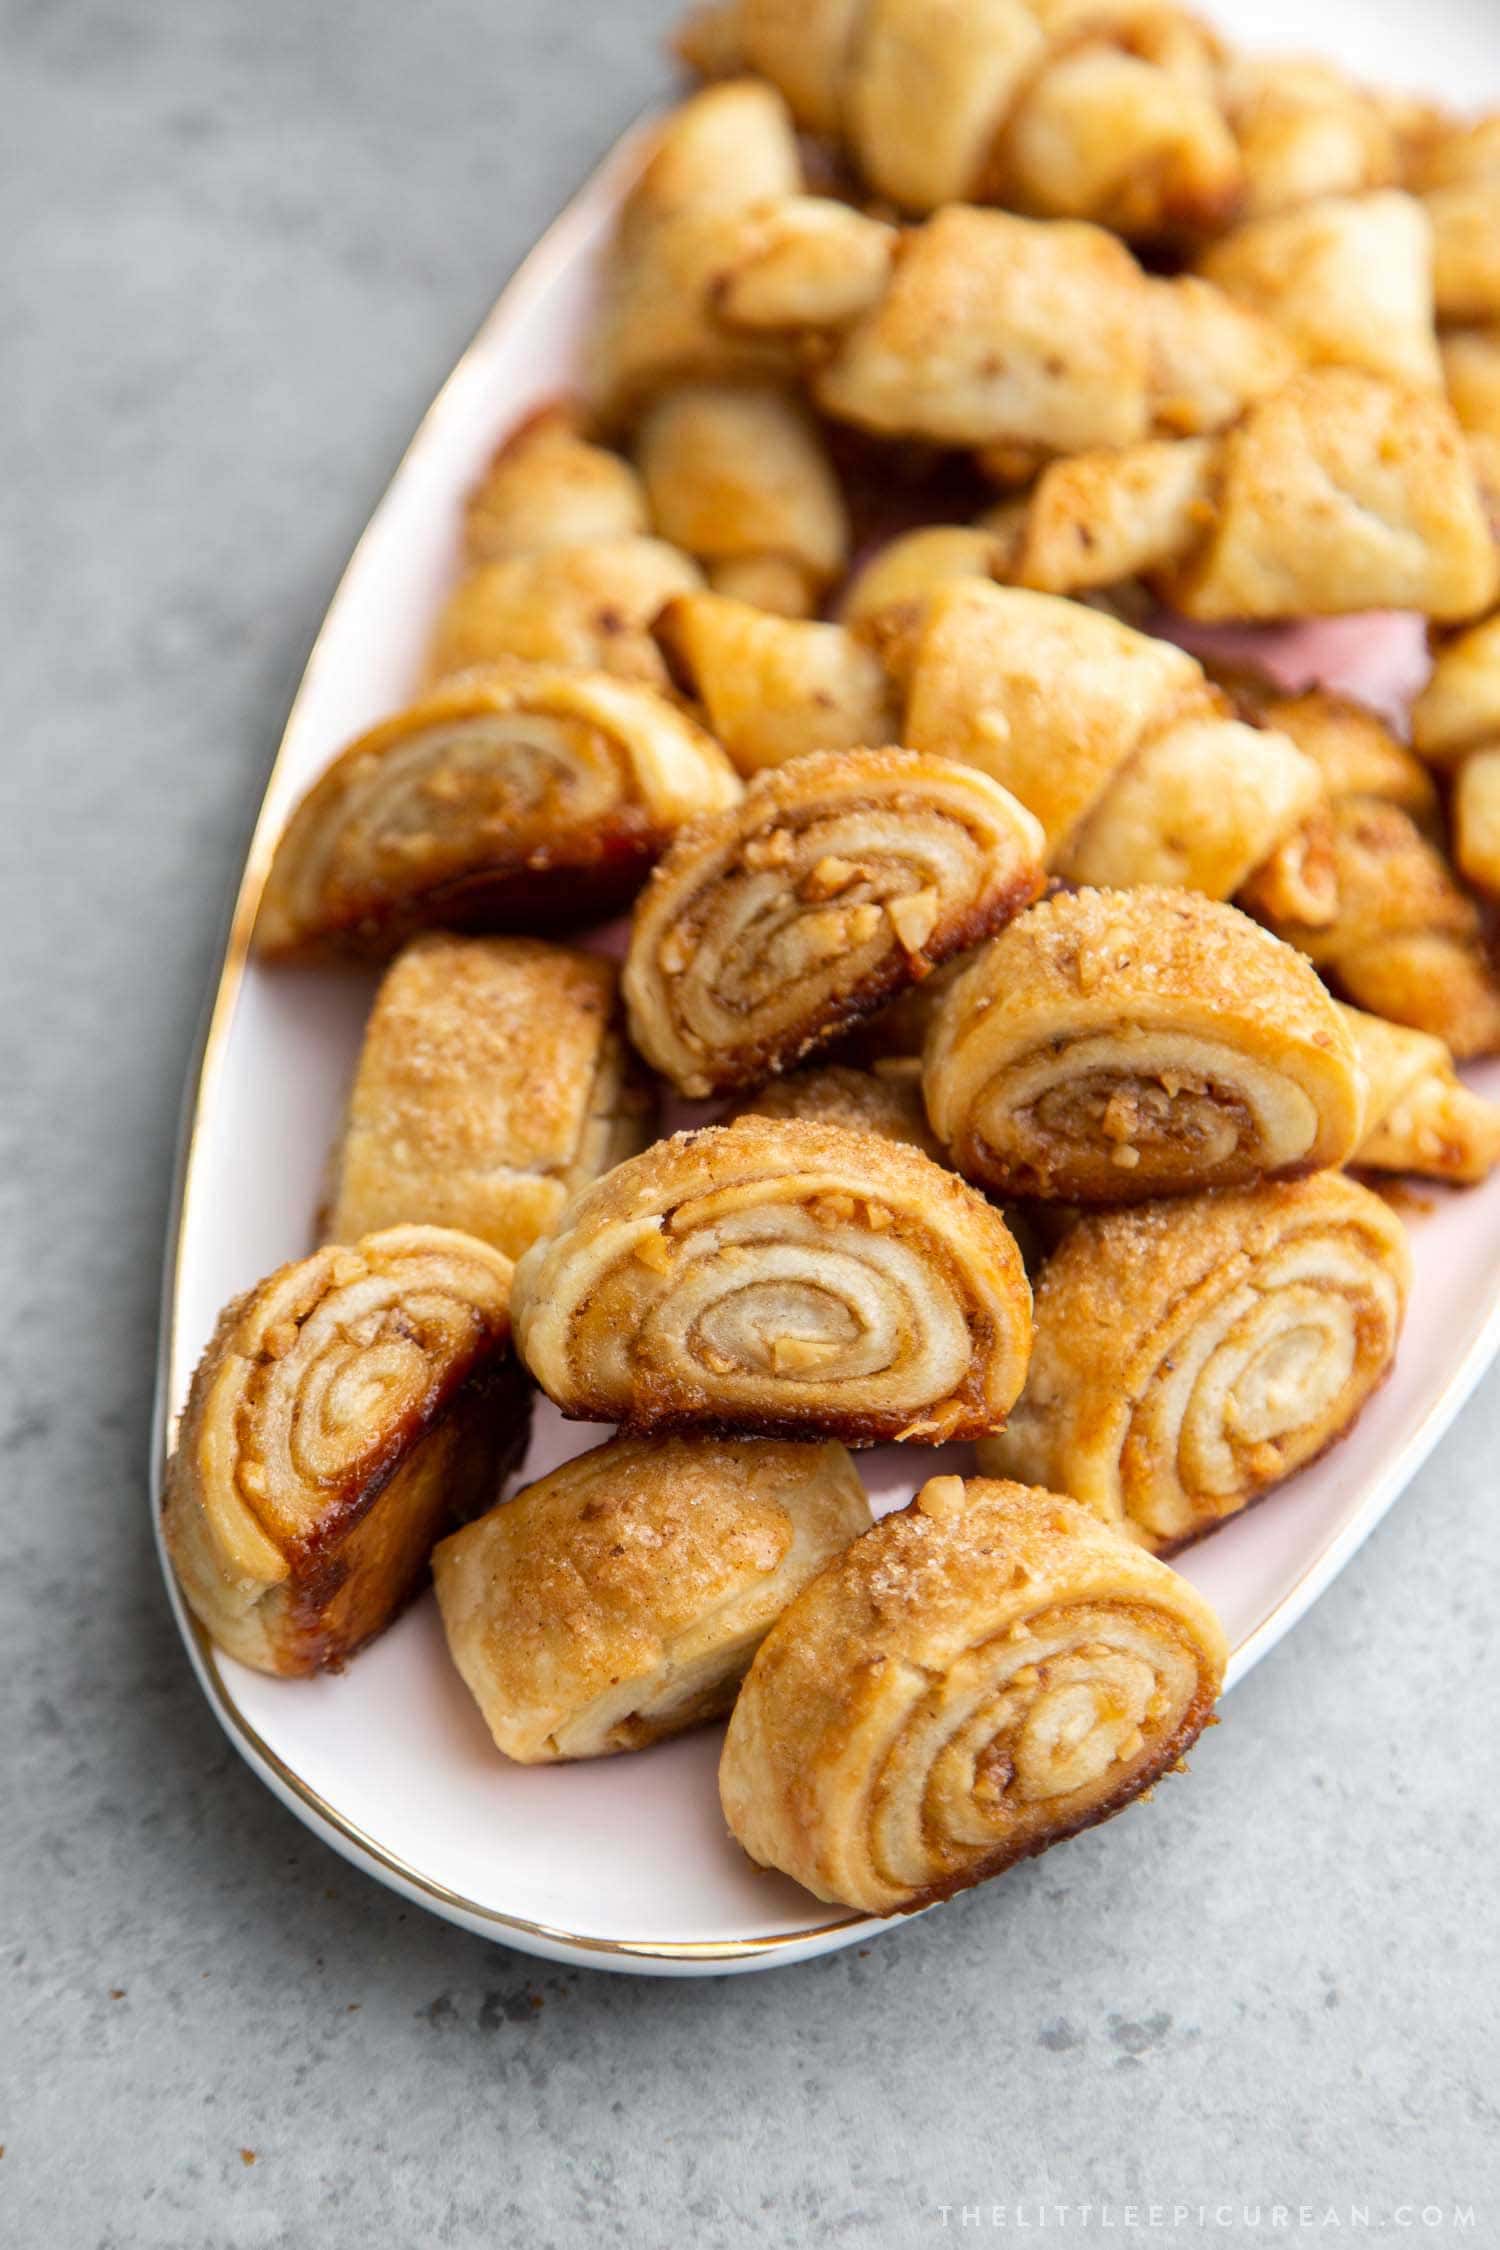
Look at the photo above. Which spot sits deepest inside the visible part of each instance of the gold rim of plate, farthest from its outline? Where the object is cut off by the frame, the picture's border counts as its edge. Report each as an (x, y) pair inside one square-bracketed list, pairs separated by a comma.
[(532, 277)]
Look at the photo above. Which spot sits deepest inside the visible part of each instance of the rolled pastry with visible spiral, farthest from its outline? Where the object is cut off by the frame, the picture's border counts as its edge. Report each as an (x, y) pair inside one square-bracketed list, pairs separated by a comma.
[(619, 1600), (775, 688), (886, 1100), (779, 1278), (506, 798), (983, 1675), (1190, 1354), (1112, 1046), (1098, 112), (738, 474), (347, 1412), (493, 1082), (1419, 1115), (768, 930), (1342, 492)]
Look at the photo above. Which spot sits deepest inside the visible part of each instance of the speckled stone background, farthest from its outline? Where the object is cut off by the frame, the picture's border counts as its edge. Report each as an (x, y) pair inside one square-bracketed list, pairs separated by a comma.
[(244, 240)]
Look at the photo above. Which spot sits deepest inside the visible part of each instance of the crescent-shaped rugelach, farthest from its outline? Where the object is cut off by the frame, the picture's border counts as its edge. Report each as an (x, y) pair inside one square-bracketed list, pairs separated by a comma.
[(1110, 113)]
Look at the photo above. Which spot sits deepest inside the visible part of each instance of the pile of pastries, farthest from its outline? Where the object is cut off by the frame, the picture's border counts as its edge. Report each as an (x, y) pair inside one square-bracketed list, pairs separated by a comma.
[(1055, 995)]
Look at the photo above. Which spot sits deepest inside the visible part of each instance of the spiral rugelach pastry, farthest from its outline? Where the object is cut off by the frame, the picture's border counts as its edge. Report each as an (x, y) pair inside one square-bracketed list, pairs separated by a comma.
[(1022, 338), (780, 1279), (841, 878), (1456, 727), (1419, 1115), (509, 797), (1104, 112), (739, 475), (619, 1600), (1113, 1046), (1393, 930), (1341, 492), (981, 1676), (347, 1412), (1136, 768), (494, 1080), (1192, 1353)]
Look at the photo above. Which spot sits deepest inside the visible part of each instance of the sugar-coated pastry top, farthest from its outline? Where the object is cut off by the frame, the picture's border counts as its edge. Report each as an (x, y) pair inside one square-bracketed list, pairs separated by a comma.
[(619, 1599), (984, 1674), (494, 1080)]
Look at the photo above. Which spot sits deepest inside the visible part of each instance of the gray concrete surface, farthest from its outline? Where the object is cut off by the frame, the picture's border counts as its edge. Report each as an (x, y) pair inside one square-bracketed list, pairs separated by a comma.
[(244, 239)]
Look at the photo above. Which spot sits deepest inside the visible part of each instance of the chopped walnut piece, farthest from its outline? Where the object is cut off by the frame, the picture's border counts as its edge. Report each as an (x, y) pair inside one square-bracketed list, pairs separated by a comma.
[(830, 876), (651, 1250), (914, 919), (794, 1355)]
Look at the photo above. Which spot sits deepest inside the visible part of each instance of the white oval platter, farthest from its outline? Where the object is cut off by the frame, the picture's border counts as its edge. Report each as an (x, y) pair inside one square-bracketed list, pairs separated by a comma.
[(625, 1863)]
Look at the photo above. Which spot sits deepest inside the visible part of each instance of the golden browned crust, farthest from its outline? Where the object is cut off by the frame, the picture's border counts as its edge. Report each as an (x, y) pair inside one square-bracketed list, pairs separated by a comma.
[(1050, 698), (506, 798), (981, 1676), (841, 878), (1419, 1116), (1135, 767), (776, 1278), (1190, 1354), (1348, 279), (589, 607), (994, 329), (1305, 130), (1459, 709), (715, 160), (1112, 1046), (888, 1102), (549, 487), (1341, 492), (619, 1600), (1109, 113), (738, 474), (1402, 939), (347, 1411), (1356, 752), (493, 1082), (774, 688)]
